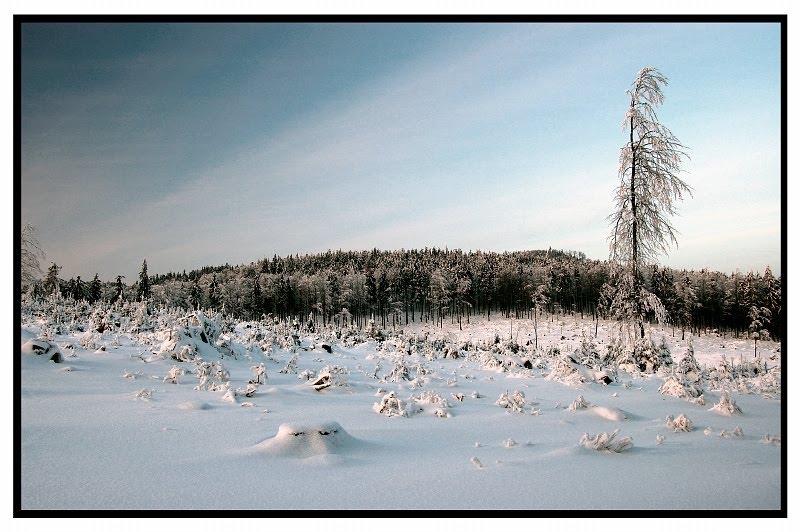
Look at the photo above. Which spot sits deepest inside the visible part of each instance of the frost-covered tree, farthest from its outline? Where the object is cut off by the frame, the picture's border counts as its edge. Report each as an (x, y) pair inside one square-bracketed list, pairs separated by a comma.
[(760, 318), (649, 186), (30, 255), (540, 300), (685, 303)]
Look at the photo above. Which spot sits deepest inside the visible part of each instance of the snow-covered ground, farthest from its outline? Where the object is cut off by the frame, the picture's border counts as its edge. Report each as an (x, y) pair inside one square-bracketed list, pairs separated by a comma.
[(107, 428)]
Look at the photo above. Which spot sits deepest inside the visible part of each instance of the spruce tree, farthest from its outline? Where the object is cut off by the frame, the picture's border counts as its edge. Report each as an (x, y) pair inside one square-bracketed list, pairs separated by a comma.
[(143, 289), (51, 282), (95, 289), (119, 290)]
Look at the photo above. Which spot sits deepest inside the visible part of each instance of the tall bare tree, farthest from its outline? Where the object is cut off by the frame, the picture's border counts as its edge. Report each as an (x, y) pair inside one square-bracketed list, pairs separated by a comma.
[(645, 198)]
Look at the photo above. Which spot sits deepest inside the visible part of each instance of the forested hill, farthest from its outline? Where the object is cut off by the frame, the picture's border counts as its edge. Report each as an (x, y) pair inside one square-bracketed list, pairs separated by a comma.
[(398, 287)]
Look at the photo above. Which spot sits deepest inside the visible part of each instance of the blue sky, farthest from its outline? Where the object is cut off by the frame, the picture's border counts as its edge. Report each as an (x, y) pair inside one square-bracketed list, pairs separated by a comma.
[(200, 144)]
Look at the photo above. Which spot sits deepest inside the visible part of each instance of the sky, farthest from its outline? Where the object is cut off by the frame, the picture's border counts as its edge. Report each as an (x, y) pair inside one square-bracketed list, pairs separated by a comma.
[(193, 145)]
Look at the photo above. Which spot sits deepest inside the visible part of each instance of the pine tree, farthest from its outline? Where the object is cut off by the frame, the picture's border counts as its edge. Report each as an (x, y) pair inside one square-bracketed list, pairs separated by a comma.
[(119, 290), (79, 290), (95, 289), (143, 289), (51, 282), (645, 199)]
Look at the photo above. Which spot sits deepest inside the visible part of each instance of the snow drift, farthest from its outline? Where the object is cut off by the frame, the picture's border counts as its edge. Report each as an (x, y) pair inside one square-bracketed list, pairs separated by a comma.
[(303, 440)]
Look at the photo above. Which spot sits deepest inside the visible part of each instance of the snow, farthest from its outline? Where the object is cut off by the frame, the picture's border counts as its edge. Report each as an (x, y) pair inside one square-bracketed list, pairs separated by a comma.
[(116, 433)]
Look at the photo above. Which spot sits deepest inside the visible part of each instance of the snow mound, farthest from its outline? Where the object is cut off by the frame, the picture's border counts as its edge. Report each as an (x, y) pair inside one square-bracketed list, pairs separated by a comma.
[(299, 440), (39, 346), (608, 412)]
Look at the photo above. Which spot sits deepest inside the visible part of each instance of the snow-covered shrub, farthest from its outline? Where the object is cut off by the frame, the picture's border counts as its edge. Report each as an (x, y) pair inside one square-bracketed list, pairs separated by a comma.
[(145, 393), (679, 424), (605, 442), (259, 374), (587, 353), (399, 372), (173, 374), (250, 391), (699, 401), (488, 361), (220, 373), (726, 406), (229, 396), (515, 402), (649, 357), (131, 375), (561, 370), (329, 376), (225, 346), (645, 356), (203, 372), (291, 366), (735, 433), (91, 340), (677, 386), (579, 404), (429, 397), (390, 405)]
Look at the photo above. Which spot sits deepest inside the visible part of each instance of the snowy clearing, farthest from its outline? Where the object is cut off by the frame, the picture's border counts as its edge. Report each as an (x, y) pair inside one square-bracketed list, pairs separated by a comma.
[(428, 419)]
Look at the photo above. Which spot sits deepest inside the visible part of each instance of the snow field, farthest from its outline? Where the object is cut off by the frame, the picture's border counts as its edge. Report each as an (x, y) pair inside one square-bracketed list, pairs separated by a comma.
[(92, 440)]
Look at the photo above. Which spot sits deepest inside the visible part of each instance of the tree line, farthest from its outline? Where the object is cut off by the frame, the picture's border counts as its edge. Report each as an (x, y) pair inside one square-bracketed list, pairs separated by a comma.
[(348, 288)]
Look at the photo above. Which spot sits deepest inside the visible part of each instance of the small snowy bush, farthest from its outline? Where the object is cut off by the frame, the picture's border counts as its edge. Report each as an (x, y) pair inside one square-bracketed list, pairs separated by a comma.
[(726, 406), (679, 424), (515, 403), (390, 406), (579, 404), (605, 442), (735, 433), (259, 374), (677, 386), (173, 374)]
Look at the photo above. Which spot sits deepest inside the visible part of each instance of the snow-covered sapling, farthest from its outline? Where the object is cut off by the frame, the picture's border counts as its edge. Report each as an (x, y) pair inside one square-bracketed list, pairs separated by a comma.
[(726, 406), (173, 374), (291, 366), (399, 372), (259, 374)]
